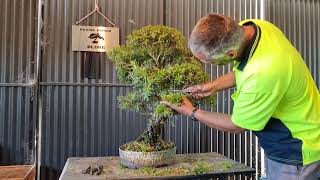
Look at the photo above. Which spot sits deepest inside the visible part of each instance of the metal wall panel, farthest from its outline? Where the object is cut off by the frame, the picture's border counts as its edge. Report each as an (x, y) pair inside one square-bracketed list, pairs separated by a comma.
[(300, 22), (17, 62), (17, 126), (59, 63), (17, 38), (83, 121)]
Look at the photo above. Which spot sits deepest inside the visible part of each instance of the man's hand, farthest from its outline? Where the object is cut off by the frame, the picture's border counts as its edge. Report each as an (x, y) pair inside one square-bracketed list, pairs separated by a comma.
[(186, 107), (201, 90), (206, 89), (212, 119)]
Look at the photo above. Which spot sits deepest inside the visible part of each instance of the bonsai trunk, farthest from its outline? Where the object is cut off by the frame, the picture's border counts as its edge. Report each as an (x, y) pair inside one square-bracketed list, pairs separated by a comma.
[(152, 133)]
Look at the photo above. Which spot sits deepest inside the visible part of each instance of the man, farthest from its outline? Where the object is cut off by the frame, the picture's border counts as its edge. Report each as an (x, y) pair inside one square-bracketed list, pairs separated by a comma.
[(276, 97)]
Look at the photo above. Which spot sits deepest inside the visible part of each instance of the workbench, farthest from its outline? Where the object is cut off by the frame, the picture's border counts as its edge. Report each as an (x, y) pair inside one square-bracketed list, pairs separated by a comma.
[(186, 166)]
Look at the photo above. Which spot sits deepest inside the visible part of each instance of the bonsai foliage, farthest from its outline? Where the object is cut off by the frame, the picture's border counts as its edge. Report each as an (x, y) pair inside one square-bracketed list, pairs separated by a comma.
[(155, 62)]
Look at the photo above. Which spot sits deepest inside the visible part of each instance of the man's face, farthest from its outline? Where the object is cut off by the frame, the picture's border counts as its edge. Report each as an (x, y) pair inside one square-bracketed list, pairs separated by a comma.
[(219, 59), (224, 59)]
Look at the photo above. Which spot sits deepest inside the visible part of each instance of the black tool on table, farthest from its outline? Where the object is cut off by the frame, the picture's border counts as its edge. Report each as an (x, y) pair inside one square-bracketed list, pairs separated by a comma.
[(93, 170)]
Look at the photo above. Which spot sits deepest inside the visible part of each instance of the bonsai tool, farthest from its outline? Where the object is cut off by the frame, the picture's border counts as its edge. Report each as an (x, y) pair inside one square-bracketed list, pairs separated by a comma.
[(181, 91), (93, 170)]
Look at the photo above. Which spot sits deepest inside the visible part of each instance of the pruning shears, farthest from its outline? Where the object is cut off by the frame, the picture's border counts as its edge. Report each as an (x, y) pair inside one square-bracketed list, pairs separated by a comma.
[(181, 91)]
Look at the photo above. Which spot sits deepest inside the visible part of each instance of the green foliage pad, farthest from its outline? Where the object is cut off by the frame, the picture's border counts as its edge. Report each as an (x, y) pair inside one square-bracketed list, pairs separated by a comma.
[(154, 61)]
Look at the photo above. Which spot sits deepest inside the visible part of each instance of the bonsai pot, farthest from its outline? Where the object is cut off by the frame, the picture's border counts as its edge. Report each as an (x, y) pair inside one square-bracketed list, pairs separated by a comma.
[(134, 160)]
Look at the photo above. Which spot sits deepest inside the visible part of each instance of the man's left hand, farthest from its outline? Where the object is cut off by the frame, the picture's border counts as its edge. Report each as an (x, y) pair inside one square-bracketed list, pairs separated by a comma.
[(185, 108)]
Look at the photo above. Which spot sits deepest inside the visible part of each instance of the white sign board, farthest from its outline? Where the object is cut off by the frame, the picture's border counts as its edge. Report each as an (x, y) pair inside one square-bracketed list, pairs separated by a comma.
[(94, 38)]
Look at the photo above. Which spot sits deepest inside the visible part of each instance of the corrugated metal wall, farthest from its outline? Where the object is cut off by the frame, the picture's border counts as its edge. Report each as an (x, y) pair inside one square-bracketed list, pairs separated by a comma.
[(59, 63), (17, 126), (300, 21), (17, 59), (18, 24), (79, 117)]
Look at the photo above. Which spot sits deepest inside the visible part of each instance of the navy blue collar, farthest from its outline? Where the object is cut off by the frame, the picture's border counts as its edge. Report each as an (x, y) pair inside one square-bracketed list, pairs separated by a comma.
[(250, 49)]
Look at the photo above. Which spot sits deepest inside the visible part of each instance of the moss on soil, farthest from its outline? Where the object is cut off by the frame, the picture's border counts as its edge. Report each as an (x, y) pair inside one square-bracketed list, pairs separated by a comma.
[(226, 165), (194, 167), (146, 147), (202, 167), (152, 171)]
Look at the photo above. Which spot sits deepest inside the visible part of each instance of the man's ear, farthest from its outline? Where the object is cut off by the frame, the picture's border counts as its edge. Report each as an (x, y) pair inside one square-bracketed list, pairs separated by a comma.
[(232, 54)]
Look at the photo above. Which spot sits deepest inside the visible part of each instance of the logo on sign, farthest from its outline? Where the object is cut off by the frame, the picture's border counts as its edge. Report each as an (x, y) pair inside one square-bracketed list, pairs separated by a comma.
[(94, 37)]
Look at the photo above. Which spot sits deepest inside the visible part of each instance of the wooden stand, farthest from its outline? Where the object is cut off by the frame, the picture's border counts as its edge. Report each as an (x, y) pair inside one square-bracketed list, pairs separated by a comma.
[(19, 172)]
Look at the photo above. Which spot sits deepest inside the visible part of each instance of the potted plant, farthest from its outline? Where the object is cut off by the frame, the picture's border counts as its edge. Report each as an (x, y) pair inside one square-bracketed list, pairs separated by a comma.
[(155, 62)]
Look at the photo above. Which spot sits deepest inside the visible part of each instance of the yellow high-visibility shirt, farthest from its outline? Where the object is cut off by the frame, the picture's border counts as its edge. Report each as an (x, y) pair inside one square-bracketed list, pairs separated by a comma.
[(277, 98)]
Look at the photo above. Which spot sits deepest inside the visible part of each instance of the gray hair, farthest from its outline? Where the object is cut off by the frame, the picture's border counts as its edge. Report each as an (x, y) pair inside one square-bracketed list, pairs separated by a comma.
[(214, 35), (218, 49)]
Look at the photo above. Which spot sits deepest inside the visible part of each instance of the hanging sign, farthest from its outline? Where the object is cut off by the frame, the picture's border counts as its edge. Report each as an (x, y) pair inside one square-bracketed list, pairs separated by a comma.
[(94, 38)]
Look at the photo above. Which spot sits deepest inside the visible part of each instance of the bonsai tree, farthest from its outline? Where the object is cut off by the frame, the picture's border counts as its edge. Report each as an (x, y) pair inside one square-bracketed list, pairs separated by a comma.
[(155, 62)]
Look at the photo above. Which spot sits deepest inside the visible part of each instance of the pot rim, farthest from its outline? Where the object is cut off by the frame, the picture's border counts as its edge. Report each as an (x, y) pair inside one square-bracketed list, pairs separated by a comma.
[(175, 147)]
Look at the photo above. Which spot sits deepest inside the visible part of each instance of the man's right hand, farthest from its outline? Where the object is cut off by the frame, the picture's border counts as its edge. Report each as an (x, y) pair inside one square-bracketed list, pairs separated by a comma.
[(201, 90), (206, 89)]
